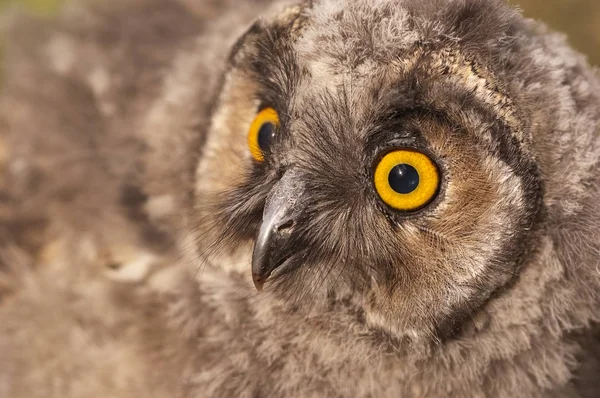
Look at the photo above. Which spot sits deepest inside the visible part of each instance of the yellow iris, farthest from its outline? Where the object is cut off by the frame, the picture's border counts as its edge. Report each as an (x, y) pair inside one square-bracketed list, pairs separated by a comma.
[(260, 134), (406, 179)]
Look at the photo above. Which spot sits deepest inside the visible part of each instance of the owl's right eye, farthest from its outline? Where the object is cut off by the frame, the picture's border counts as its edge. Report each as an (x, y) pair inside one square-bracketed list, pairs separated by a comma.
[(406, 180), (261, 133)]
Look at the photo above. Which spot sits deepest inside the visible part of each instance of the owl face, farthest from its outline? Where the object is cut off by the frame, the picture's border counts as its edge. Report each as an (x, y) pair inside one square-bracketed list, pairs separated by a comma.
[(359, 156)]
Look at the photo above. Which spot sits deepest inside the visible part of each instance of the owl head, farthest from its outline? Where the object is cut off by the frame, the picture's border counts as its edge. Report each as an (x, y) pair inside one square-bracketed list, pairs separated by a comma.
[(378, 152)]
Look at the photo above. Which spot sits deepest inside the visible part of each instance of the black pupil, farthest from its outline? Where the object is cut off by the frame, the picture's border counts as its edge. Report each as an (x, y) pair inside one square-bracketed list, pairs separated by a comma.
[(265, 135), (403, 178)]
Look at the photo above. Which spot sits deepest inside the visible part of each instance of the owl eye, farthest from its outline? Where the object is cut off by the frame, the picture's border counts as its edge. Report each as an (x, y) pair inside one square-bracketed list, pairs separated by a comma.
[(261, 133), (406, 179)]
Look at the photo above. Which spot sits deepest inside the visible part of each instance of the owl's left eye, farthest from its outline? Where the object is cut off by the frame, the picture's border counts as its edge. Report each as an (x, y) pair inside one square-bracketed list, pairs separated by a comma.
[(406, 179), (261, 133)]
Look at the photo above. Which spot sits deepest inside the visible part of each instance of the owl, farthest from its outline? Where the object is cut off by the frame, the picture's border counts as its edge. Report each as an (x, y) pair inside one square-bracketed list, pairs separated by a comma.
[(326, 198)]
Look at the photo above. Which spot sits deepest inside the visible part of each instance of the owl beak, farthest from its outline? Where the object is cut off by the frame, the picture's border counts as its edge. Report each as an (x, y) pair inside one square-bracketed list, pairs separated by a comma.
[(283, 210)]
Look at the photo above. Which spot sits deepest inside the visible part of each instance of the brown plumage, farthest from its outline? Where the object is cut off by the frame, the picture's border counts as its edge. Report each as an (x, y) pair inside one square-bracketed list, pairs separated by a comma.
[(135, 222)]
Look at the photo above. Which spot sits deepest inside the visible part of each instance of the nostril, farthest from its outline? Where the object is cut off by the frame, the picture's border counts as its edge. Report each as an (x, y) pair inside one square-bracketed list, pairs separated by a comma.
[(286, 226)]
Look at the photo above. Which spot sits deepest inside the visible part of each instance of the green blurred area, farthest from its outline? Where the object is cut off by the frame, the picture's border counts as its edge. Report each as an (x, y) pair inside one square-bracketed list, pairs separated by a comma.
[(45, 7), (580, 19)]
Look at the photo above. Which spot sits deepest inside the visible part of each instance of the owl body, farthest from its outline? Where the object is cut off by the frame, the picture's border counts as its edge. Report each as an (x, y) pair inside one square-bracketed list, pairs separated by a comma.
[(133, 212)]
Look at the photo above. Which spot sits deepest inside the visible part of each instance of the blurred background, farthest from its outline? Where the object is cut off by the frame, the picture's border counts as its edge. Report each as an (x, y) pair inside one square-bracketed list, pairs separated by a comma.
[(580, 19)]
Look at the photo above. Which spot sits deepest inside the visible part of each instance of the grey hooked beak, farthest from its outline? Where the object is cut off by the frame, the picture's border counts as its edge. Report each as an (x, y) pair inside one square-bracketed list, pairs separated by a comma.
[(284, 208)]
